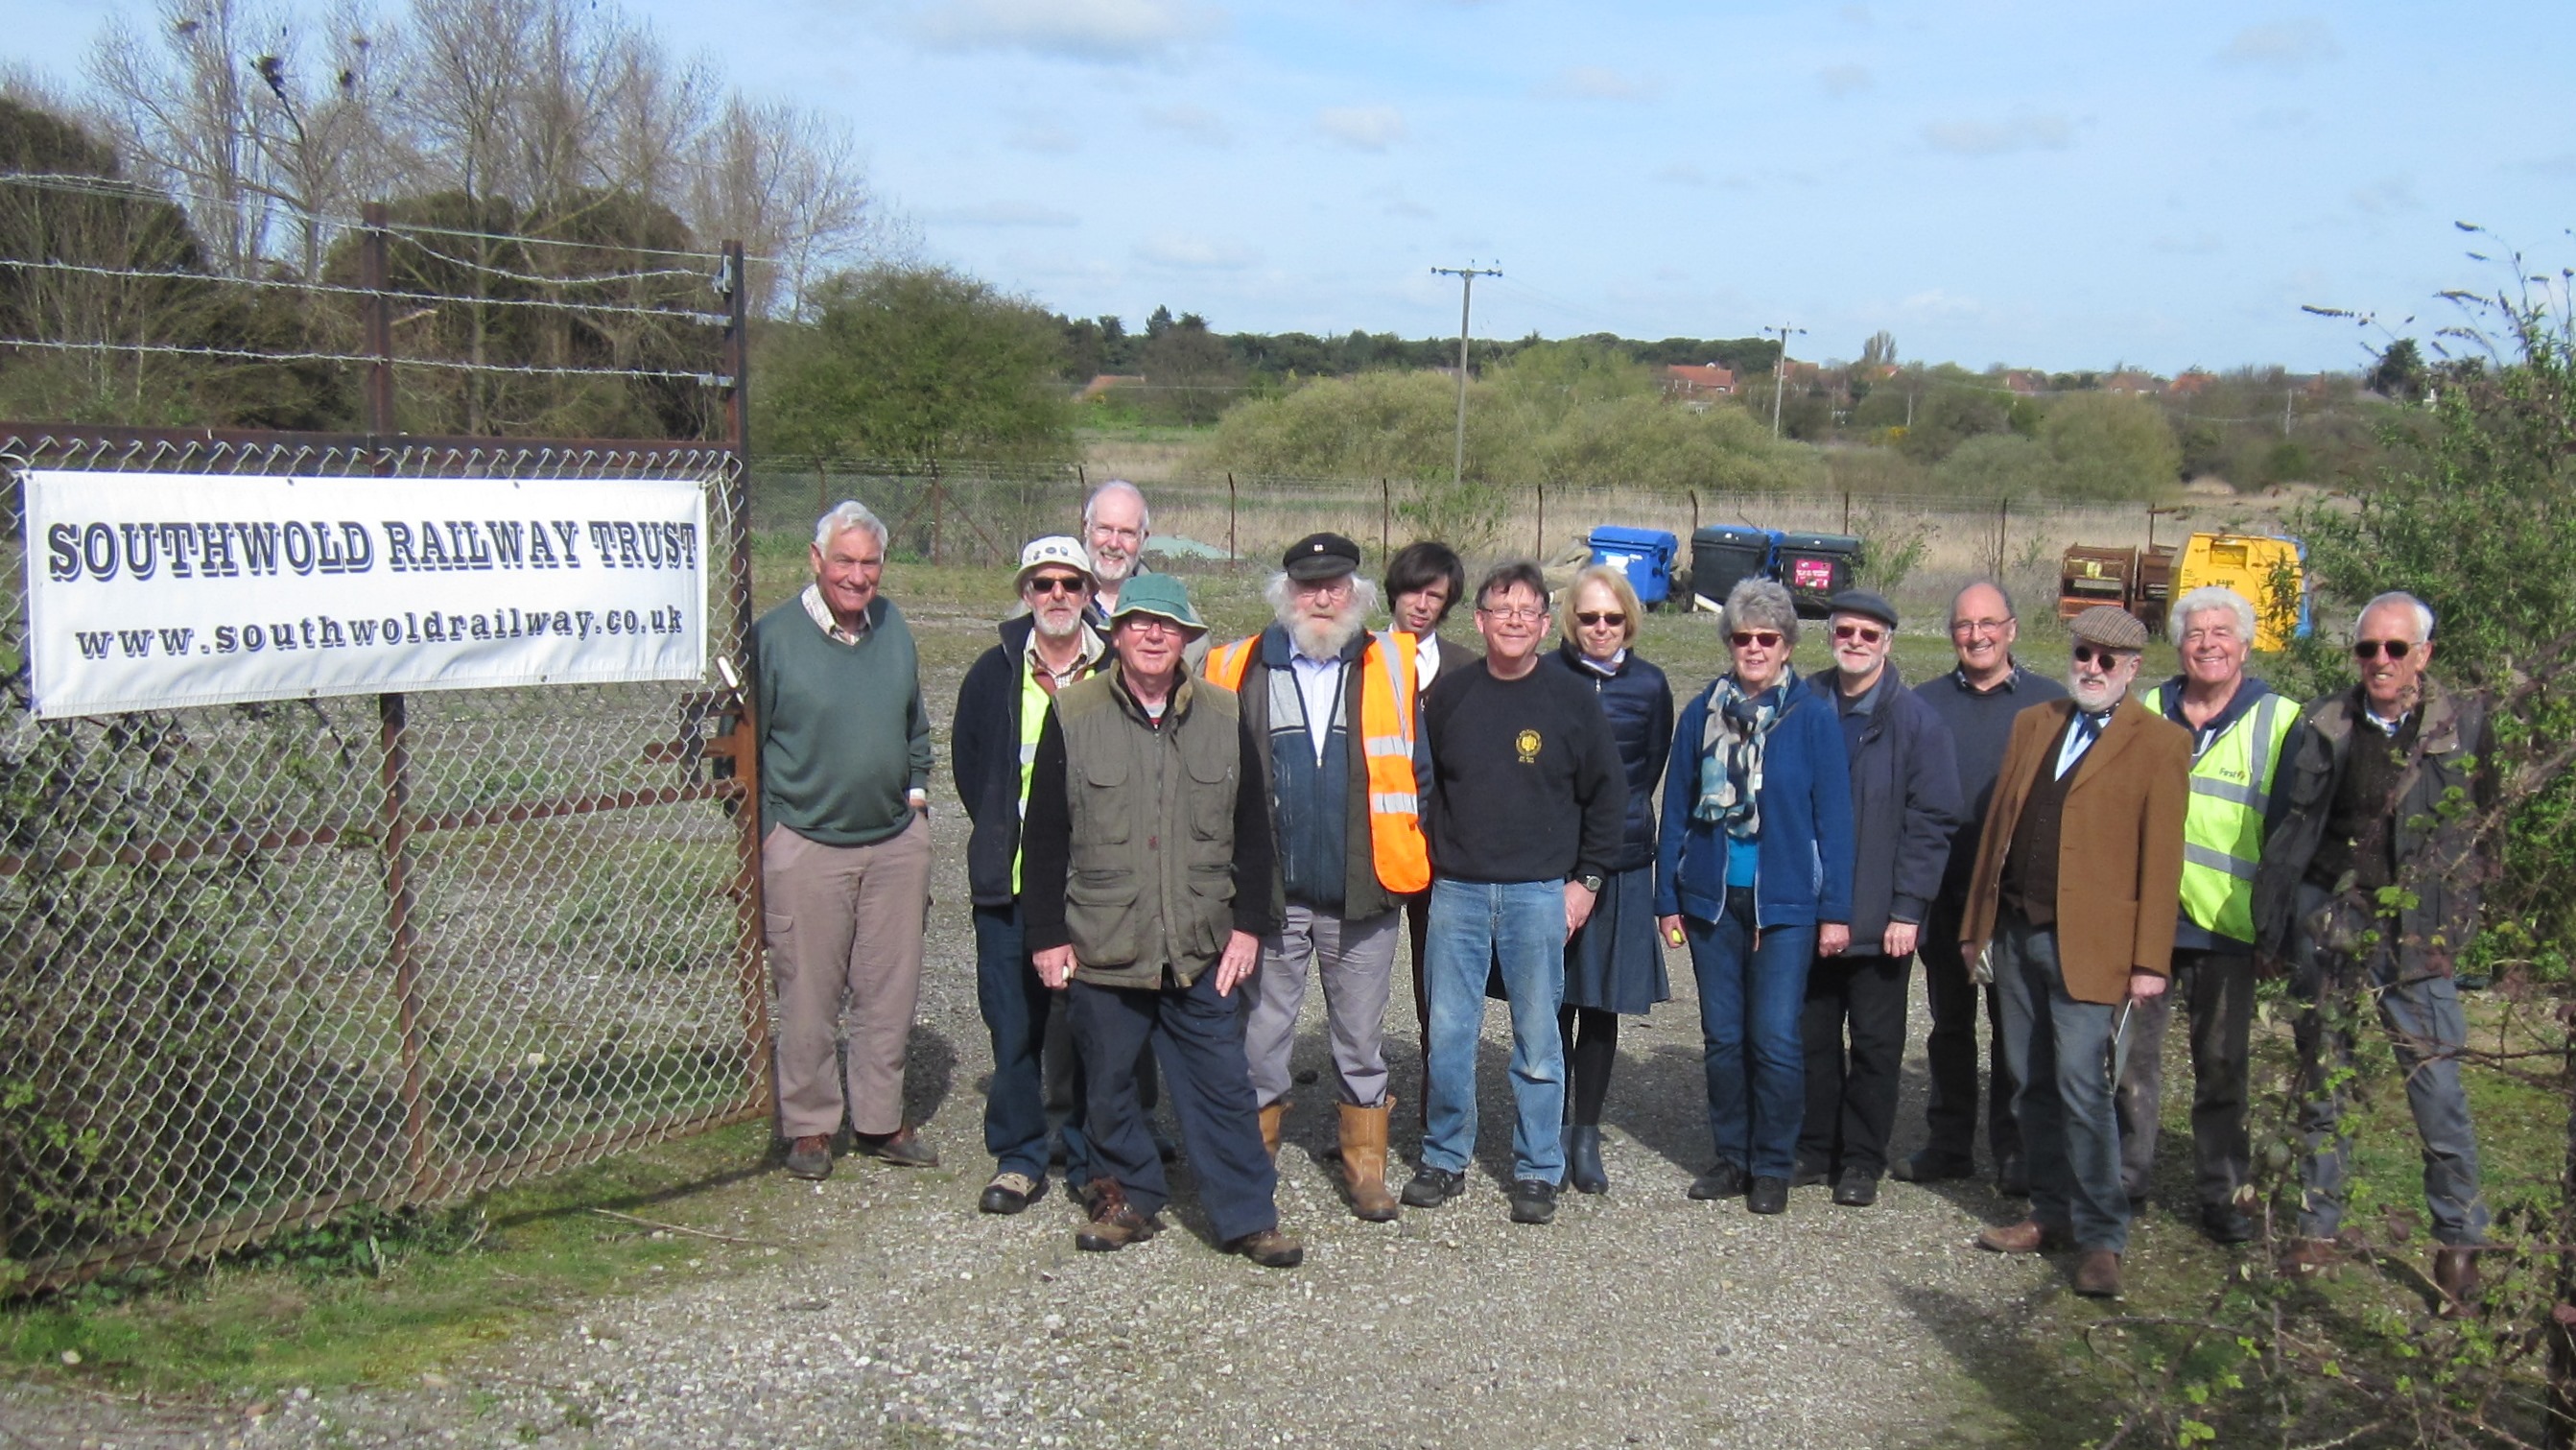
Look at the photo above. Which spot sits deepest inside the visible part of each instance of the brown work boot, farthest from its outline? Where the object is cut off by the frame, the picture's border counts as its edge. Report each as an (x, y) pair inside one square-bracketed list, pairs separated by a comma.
[(2455, 1273), (2306, 1258), (1269, 1248), (1271, 1117), (903, 1148), (1115, 1223), (2097, 1274), (810, 1157), (2026, 1237), (1364, 1161)]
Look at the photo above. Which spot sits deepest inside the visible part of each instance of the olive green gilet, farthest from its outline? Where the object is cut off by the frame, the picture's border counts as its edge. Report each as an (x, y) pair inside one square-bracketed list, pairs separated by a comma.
[(1149, 896)]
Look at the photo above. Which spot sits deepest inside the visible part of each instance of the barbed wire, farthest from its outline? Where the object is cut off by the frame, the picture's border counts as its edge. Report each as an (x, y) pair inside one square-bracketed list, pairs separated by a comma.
[(716, 319), (540, 278), (712, 380)]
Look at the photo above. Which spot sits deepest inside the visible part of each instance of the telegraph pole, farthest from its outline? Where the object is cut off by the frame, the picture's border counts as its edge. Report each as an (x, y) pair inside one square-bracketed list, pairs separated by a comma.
[(1466, 276), (1780, 373)]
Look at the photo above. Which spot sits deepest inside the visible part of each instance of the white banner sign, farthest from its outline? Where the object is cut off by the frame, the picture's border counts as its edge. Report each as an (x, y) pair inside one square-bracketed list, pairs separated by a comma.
[(149, 591)]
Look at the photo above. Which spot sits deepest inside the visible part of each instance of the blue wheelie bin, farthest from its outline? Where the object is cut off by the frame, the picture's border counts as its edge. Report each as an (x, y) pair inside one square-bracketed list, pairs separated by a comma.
[(1647, 555)]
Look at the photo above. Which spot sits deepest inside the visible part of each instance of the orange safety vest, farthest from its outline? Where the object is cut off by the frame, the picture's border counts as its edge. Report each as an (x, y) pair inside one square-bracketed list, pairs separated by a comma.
[(1388, 724)]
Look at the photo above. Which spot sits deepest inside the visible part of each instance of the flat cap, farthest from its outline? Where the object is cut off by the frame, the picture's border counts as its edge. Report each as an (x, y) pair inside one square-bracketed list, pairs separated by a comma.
[(1321, 556), (1864, 604), (2109, 626)]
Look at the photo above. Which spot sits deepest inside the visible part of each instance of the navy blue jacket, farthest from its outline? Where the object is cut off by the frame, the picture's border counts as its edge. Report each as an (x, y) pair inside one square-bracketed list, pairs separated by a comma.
[(1639, 703), (1905, 808), (1804, 875)]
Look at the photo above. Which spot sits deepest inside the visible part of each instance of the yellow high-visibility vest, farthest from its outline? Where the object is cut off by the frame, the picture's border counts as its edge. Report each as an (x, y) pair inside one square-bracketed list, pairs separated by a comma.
[(2222, 829), (1387, 727)]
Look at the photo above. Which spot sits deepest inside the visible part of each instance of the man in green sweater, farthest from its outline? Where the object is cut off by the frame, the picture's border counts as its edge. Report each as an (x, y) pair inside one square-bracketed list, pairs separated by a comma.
[(845, 845)]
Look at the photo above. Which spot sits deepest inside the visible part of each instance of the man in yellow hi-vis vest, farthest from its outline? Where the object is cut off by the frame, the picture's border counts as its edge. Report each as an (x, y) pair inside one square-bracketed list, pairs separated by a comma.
[(1334, 705), (2237, 725)]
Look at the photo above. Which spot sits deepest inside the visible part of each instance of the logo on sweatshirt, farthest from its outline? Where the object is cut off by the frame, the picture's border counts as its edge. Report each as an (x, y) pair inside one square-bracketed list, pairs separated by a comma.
[(1527, 744)]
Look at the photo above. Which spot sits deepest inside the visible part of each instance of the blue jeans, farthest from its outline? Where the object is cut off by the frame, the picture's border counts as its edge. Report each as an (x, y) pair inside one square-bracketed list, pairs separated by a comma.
[(1520, 926), (1015, 1006), (1750, 1001), (2066, 1057)]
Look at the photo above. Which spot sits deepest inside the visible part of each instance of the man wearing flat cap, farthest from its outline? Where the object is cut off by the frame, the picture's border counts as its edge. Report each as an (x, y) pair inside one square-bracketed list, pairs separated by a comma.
[(1905, 805), (1342, 764), (1145, 890), (2071, 905)]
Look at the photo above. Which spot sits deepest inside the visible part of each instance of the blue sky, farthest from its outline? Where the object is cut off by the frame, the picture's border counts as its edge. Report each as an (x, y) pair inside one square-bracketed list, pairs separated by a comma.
[(2048, 185)]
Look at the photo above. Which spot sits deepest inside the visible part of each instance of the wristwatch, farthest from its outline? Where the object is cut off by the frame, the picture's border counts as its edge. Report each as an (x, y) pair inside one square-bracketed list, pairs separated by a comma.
[(1591, 881)]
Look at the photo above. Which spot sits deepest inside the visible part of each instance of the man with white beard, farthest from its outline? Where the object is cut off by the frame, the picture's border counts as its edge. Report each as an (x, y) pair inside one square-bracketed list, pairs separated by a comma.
[(2077, 869), (1335, 706)]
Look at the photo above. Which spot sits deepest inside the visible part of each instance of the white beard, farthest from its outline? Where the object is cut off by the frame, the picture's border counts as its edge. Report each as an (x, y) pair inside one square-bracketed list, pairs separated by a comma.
[(1324, 639), (2093, 698)]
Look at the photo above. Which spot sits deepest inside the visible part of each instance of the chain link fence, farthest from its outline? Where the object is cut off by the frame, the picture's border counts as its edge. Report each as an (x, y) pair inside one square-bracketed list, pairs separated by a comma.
[(260, 962)]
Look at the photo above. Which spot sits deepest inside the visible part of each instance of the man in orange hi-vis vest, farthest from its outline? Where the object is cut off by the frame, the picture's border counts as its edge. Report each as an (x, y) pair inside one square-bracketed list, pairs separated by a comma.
[(1344, 767)]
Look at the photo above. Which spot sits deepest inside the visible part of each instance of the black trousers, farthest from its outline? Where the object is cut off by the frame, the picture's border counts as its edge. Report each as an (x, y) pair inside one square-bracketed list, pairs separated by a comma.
[(1198, 1035), (1851, 1090), (1952, 1048), (2217, 989)]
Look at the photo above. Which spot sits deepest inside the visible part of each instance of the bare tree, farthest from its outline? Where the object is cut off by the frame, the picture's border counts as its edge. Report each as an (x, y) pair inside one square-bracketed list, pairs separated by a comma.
[(787, 183)]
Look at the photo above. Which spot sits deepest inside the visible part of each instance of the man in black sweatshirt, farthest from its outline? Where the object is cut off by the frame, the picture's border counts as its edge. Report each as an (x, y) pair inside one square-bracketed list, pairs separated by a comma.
[(1528, 800)]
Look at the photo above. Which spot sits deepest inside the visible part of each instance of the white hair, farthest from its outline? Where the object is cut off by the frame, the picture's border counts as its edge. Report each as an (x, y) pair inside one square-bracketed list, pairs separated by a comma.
[(2204, 600), (846, 515), (1144, 511), (2423, 613)]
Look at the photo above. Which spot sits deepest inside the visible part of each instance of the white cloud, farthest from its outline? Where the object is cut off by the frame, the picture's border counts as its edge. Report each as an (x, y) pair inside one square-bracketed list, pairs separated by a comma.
[(1844, 80), (1105, 32), (1362, 128), (1192, 122), (2282, 45), (1595, 83), (2045, 131), (1002, 214), (1195, 254)]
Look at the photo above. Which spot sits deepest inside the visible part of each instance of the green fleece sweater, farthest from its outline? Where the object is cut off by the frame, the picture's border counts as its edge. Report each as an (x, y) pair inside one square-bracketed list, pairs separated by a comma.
[(843, 735)]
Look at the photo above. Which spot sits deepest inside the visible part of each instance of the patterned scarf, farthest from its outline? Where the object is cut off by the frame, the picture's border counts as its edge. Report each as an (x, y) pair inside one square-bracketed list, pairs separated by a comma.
[(1730, 763)]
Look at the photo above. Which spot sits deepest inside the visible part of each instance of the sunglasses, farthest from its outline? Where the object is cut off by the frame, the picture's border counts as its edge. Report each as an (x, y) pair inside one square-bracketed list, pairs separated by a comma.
[(2395, 649), (1588, 617), (1745, 638), (1866, 634), (1055, 584), (2094, 654)]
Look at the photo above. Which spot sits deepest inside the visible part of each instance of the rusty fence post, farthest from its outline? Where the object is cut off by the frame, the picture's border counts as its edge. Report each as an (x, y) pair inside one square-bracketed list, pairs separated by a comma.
[(1233, 555), (1542, 521), (751, 970), (1385, 523)]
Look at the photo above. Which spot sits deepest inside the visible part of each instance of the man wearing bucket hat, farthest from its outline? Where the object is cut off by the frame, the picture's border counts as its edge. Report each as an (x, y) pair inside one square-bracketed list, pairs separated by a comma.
[(993, 742), (1342, 767), (1145, 889), (2078, 863)]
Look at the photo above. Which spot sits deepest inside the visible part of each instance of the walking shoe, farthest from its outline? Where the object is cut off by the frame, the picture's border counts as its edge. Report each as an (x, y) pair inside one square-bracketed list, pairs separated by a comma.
[(2226, 1224), (1583, 1168), (1923, 1167), (2097, 1274), (1010, 1192), (1856, 1189), (1533, 1201), (810, 1157), (1810, 1173), (2455, 1273), (1724, 1180), (2012, 1176), (2029, 1236), (1115, 1223), (903, 1148), (1767, 1195), (1432, 1187), (1269, 1248)]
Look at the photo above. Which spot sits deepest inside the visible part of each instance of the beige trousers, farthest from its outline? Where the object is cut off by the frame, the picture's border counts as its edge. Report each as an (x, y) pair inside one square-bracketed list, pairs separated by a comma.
[(844, 920)]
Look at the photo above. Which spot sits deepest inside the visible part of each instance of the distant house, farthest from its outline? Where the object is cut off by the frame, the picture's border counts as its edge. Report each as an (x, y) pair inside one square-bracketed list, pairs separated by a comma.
[(2189, 383), (2133, 382), (2025, 382), (1104, 382), (1688, 381)]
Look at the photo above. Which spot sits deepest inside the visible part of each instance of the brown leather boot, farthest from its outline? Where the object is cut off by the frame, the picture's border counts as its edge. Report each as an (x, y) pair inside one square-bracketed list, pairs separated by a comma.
[(1270, 1120), (1115, 1223), (2455, 1273), (2097, 1274), (1364, 1161)]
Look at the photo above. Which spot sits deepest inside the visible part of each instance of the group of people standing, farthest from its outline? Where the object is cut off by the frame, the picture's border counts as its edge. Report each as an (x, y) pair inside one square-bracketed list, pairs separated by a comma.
[(1167, 840)]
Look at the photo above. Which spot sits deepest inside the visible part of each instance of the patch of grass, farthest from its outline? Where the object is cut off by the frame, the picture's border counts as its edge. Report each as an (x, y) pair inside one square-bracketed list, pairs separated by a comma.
[(378, 1298)]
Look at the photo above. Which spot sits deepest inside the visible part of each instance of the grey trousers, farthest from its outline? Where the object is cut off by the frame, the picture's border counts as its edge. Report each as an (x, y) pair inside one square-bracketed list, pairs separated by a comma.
[(2427, 1030), (2063, 1053), (1356, 961), (2217, 988), (844, 925)]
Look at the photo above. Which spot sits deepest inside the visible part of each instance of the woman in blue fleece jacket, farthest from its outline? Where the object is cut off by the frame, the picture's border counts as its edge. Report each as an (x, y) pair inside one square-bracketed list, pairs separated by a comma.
[(1753, 868)]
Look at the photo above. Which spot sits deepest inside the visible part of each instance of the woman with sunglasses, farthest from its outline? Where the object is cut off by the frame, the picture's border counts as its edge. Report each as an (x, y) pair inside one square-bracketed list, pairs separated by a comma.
[(1753, 870), (1612, 965)]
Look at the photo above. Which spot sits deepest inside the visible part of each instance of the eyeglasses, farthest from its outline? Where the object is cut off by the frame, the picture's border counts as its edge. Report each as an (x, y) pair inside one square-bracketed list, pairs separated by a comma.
[(1978, 626), (2094, 654), (2395, 649), (1745, 638), (1590, 617), (1866, 634), (1056, 584), (1515, 612)]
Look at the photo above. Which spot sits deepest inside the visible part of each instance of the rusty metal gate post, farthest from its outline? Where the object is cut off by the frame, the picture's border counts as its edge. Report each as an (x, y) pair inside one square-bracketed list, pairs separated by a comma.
[(751, 933)]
